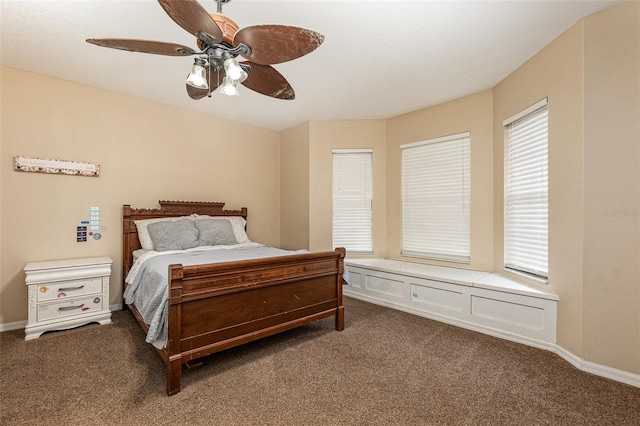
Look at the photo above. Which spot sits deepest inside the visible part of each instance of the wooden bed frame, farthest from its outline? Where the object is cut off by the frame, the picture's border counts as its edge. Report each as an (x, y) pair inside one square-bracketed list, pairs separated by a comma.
[(217, 306)]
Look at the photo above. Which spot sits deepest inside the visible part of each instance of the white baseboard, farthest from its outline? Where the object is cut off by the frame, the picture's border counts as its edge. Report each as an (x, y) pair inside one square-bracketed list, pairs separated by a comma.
[(586, 366), (598, 369), (569, 357), (22, 324), (8, 326)]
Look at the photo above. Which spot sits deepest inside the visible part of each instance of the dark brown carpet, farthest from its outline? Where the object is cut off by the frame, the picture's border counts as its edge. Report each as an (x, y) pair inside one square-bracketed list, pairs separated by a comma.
[(386, 368)]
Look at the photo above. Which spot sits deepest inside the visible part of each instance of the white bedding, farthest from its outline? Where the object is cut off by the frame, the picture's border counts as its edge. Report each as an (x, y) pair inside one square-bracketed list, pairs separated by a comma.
[(137, 253), (147, 281)]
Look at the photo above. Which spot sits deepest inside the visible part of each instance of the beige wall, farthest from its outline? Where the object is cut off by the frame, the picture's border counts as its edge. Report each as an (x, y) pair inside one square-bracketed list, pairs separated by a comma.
[(555, 73), (612, 188), (294, 188), (147, 151), (469, 114), (325, 136), (591, 77)]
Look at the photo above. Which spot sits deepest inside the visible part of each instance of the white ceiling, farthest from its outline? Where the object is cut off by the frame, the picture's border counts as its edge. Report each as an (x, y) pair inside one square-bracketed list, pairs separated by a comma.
[(379, 59)]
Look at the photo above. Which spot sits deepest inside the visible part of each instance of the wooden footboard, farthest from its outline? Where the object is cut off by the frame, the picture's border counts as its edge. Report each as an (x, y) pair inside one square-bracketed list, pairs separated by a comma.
[(217, 306)]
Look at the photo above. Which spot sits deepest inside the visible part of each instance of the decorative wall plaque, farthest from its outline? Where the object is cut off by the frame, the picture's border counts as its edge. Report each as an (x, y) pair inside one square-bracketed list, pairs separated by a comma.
[(43, 165)]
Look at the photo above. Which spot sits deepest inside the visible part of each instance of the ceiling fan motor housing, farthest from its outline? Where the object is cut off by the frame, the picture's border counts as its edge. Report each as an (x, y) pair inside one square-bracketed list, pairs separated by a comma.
[(226, 25)]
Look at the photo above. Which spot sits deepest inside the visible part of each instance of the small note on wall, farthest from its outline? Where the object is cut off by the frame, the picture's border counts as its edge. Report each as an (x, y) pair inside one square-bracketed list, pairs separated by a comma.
[(43, 165)]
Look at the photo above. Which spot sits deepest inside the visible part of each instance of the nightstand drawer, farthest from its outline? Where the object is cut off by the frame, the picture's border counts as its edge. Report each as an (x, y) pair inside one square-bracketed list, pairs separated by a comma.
[(68, 289), (65, 308)]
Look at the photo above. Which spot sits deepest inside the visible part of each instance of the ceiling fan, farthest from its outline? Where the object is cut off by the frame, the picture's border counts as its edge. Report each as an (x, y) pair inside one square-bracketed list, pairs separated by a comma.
[(221, 43)]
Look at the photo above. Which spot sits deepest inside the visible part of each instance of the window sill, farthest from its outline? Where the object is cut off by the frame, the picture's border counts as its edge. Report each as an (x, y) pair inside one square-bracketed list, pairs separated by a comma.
[(530, 277)]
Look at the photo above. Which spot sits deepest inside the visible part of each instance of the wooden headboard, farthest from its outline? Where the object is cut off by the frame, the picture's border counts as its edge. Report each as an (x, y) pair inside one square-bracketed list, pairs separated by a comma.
[(130, 241)]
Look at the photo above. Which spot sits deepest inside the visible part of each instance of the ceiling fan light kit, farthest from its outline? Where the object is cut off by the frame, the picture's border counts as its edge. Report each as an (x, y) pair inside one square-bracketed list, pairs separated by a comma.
[(198, 76), (234, 71), (228, 87), (221, 43)]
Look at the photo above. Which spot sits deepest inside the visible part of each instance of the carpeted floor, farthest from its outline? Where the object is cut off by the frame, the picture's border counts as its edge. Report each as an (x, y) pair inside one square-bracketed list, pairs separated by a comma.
[(386, 368)]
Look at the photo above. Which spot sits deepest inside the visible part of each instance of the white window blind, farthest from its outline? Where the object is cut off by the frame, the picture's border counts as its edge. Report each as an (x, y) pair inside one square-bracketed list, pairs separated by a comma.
[(526, 192), (352, 200), (436, 198)]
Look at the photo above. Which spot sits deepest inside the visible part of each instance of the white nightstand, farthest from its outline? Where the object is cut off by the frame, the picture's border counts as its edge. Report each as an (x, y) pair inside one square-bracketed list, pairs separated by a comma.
[(67, 293)]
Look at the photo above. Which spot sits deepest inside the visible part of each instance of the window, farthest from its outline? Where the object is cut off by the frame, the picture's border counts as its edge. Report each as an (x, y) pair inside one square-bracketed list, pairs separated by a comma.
[(526, 189), (352, 200), (436, 198)]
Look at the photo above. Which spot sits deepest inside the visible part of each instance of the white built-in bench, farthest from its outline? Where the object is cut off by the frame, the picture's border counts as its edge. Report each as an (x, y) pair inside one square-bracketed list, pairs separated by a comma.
[(476, 300)]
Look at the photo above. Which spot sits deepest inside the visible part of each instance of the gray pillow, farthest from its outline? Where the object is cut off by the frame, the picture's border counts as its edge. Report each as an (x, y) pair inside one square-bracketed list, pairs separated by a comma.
[(173, 235), (214, 232)]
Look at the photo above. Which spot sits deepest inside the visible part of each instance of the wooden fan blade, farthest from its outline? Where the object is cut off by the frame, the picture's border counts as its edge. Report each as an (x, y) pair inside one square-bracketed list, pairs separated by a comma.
[(213, 79), (144, 46), (273, 44), (268, 81), (192, 17)]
